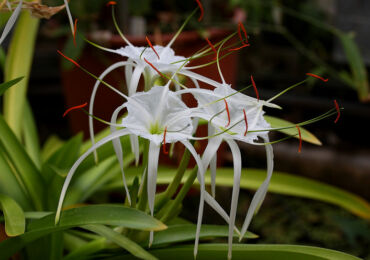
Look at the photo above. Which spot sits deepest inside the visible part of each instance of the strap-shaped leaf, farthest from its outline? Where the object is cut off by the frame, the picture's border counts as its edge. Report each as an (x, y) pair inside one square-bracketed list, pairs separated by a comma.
[(77, 217), (4, 86), (182, 233), (281, 183), (248, 251), (279, 123), (121, 241), (13, 215), (28, 173)]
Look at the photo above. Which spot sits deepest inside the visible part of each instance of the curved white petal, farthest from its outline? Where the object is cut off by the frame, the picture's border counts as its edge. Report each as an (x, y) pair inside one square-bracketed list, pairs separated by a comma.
[(202, 191), (199, 77), (69, 17), (128, 73), (13, 18), (71, 172), (92, 99), (237, 161), (134, 81), (134, 142), (262, 190), (212, 164), (152, 179), (118, 148)]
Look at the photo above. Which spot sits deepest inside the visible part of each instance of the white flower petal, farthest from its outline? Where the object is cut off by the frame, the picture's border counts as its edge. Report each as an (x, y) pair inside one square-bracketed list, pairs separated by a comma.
[(92, 99), (262, 190), (69, 17), (79, 161), (237, 161), (13, 18), (134, 141), (152, 179), (202, 191), (118, 148), (134, 80)]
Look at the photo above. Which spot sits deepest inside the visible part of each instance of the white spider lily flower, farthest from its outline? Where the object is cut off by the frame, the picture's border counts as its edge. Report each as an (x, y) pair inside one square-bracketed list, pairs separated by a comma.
[(159, 116), (10, 23), (232, 116)]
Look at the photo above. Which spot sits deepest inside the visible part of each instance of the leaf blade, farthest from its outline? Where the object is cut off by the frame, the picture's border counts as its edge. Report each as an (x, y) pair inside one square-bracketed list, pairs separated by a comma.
[(15, 221)]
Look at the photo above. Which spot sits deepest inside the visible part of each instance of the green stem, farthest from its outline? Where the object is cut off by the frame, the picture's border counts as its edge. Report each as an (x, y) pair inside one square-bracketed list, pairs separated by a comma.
[(143, 195), (180, 197), (164, 197)]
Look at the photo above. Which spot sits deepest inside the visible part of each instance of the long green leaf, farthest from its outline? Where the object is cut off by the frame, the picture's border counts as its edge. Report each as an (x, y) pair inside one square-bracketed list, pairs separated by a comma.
[(242, 252), (30, 136), (357, 65), (77, 217), (281, 183), (306, 135), (18, 63), (51, 145), (182, 233), (120, 240), (28, 172), (14, 217), (9, 185), (4, 86)]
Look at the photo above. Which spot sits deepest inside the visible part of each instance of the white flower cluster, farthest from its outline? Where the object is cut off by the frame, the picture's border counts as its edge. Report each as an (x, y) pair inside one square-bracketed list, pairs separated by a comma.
[(159, 115)]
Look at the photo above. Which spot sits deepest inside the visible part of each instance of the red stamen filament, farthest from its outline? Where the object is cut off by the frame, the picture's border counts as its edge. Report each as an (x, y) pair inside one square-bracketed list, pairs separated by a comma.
[(151, 46), (246, 122), (245, 33), (255, 88), (64, 56), (228, 113), (73, 108), (300, 139), (201, 10), (164, 141), (111, 3), (151, 65), (316, 76), (338, 110), (212, 47), (241, 47), (74, 32)]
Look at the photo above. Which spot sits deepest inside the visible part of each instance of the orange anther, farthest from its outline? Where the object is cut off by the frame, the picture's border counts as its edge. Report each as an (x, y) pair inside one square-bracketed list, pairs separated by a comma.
[(316, 76), (151, 46), (228, 113), (212, 47), (201, 10), (338, 111), (246, 122), (64, 56), (151, 65), (74, 32), (255, 88), (164, 141), (111, 3), (73, 108)]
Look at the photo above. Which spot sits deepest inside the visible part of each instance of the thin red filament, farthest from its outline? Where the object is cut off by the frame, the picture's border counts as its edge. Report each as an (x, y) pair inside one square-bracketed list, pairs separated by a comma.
[(241, 26), (228, 113), (300, 139), (316, 76), (74, 32), (255, 88), (73, 108), (201, 10), (246, 123), (212, 47), (164, 141), (64, 56), (151, 65), (111, 3), (241, 47), (338, 111), (151, 46)]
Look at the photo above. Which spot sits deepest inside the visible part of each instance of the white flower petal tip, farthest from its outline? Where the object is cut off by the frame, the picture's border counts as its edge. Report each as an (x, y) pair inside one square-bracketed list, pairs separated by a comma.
[(10, 23)]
